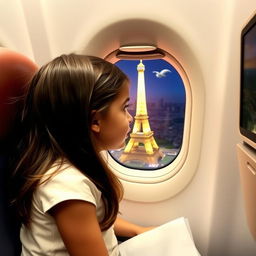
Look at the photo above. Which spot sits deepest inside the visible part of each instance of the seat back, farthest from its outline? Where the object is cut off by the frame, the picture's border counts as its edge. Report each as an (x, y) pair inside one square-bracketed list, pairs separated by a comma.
[(15, 72)]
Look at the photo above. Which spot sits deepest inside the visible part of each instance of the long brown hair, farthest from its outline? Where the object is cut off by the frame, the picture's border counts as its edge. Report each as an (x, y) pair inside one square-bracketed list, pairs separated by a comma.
[(57, 118)]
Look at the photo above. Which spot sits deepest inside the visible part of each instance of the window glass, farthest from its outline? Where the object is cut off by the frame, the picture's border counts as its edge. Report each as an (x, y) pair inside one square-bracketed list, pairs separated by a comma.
[(157, 104)]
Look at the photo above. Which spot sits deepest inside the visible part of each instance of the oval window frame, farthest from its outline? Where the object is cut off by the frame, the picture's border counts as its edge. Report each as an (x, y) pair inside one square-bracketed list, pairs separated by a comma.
[(163, 183)]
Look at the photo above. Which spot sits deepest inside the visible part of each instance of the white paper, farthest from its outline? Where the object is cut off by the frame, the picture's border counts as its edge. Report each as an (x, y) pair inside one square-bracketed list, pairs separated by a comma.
[(171, 239)]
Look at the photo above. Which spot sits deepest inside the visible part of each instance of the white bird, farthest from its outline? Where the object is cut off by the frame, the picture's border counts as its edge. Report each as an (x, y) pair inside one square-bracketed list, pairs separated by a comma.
[(162, 73)]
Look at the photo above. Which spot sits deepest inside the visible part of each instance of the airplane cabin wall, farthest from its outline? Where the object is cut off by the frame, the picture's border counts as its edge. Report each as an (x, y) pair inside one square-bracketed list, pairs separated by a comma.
[(210, 49), (14, 32), (229, 232)]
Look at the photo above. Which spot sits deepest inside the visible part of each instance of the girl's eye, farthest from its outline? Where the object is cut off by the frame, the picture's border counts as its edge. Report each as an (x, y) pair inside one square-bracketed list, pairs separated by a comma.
[(127, 106)]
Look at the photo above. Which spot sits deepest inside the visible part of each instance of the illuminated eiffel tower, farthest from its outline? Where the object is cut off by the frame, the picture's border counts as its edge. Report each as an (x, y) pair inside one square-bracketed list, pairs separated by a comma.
[(142, 145)]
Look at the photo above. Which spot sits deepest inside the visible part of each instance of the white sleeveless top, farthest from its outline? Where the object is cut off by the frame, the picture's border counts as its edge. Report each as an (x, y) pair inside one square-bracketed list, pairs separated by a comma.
[(43, 237)]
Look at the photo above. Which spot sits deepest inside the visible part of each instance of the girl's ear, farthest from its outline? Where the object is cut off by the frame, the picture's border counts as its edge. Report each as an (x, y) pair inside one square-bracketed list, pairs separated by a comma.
[(95, 125)]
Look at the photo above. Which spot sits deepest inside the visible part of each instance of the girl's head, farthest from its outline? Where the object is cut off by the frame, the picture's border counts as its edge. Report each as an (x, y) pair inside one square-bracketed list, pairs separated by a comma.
[(69, 97), (75, 106)]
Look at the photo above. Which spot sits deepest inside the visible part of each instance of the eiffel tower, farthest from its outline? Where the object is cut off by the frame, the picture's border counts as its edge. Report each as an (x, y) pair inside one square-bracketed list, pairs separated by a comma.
[(142, 145)]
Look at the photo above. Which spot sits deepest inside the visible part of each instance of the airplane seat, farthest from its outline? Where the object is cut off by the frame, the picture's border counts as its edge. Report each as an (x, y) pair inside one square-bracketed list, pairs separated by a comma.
[(15, 72)]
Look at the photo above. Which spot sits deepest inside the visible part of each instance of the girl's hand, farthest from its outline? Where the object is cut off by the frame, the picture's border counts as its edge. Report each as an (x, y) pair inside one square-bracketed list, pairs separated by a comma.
[(125, 228), (142, 229)]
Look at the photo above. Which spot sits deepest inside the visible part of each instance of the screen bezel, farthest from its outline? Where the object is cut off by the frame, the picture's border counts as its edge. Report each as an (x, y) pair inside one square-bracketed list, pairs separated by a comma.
[(248, 136)]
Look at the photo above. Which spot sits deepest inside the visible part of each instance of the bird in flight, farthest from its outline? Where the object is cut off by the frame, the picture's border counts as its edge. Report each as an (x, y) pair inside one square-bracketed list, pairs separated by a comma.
[(162, 73)]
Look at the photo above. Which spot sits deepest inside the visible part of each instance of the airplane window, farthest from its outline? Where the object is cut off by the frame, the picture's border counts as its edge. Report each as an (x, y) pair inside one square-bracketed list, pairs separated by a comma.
[(157, 104)]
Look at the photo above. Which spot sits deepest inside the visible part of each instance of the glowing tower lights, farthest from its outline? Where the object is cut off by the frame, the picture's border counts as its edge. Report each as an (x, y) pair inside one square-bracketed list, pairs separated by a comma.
[(142, 145)]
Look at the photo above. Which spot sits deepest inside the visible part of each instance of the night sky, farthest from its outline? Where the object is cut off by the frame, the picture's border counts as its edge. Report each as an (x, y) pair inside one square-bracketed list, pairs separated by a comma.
[(170, 88)]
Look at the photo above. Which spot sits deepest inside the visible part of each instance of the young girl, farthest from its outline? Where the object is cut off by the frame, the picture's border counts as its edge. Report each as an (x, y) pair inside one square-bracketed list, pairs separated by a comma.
[(67, 198)]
